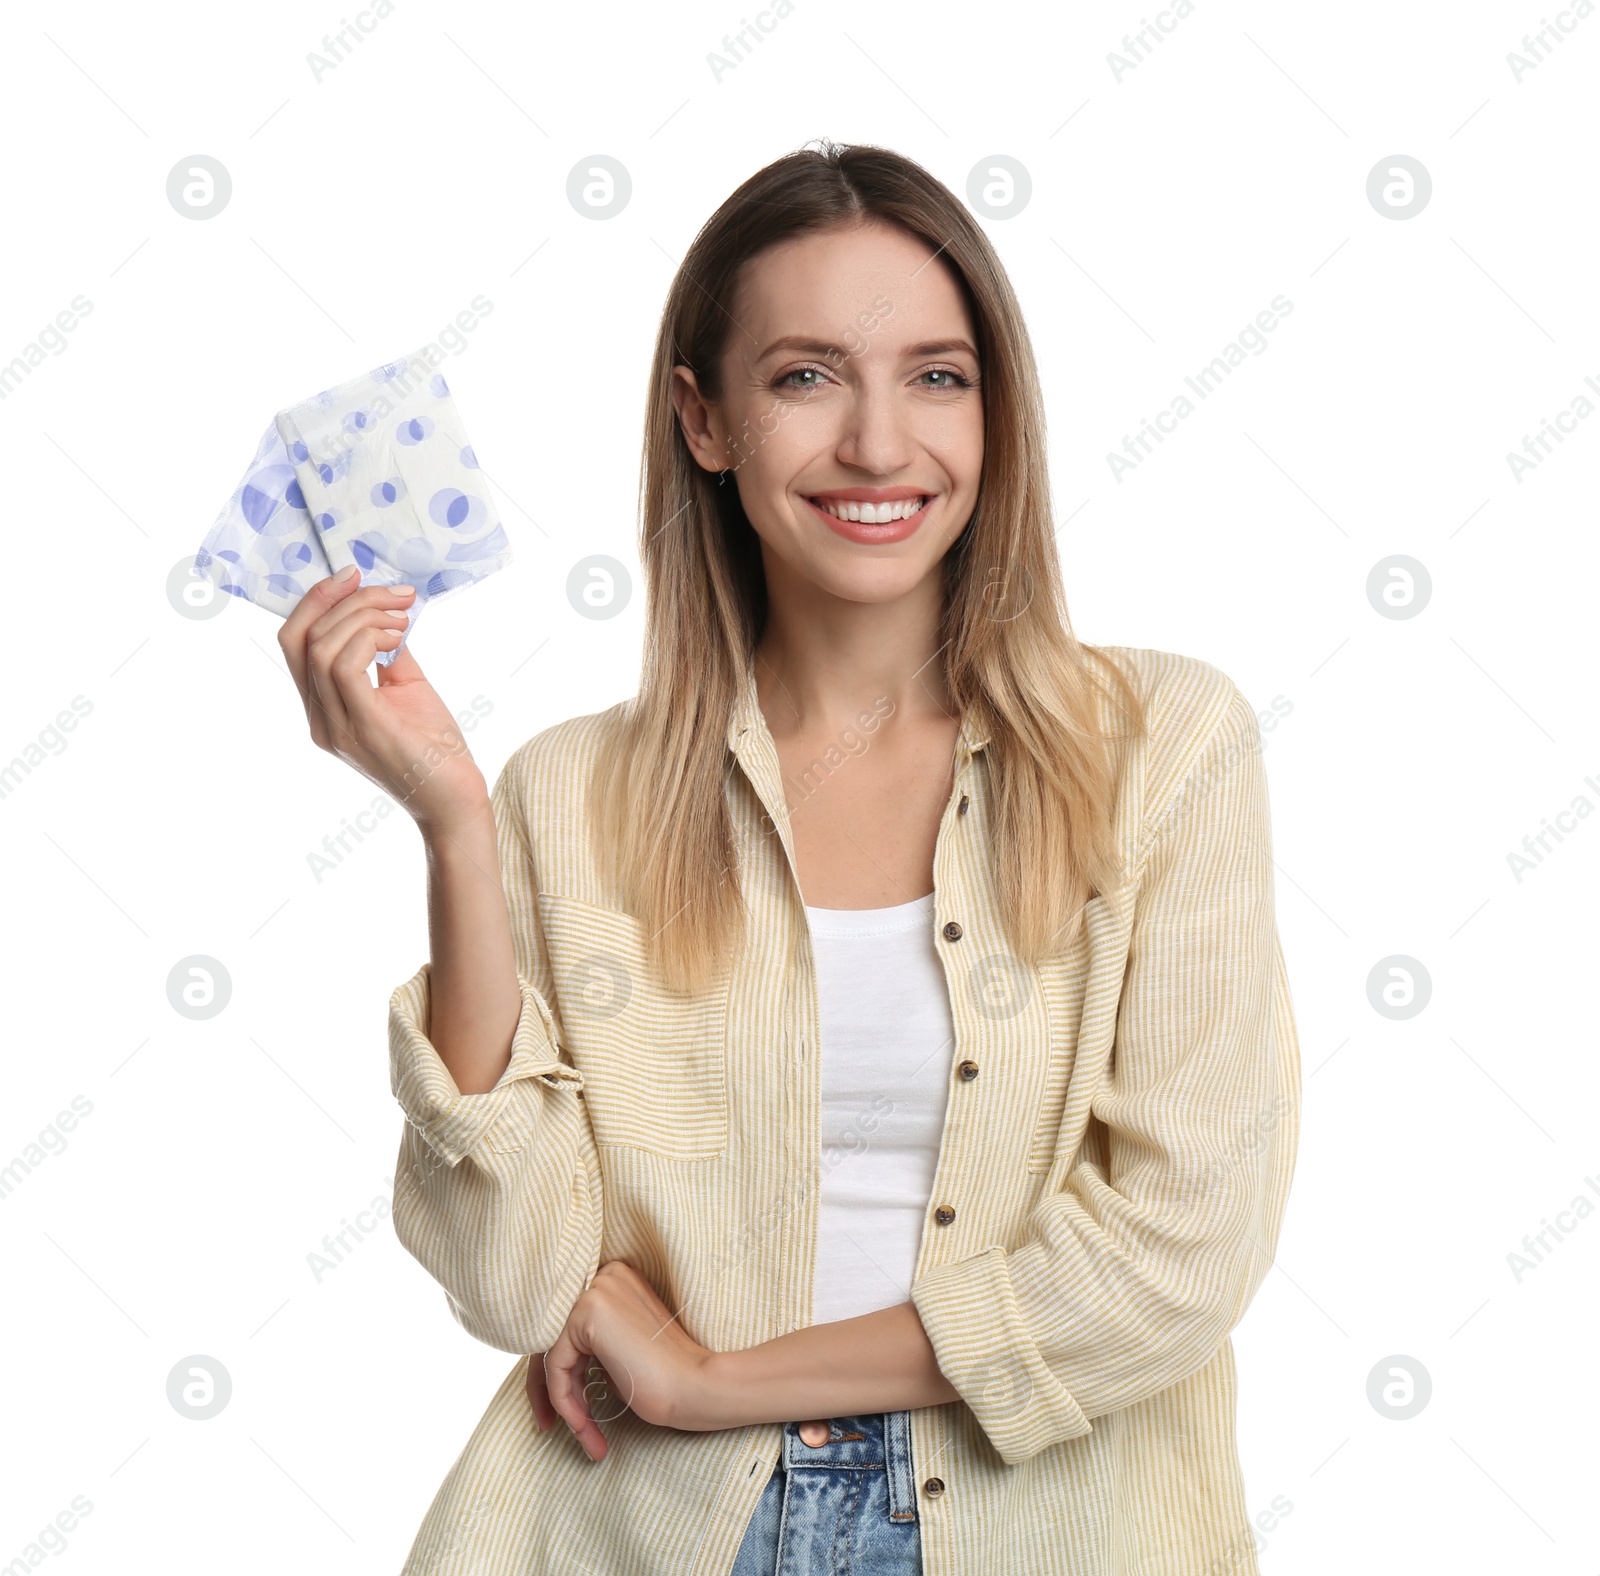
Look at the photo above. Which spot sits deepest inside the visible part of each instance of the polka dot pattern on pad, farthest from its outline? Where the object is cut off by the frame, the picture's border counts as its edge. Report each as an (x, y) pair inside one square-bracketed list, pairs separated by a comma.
[(376, 472)]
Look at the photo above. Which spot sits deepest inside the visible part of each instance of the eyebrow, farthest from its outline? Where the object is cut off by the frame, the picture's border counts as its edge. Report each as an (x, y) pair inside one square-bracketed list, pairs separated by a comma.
[(825, 348)]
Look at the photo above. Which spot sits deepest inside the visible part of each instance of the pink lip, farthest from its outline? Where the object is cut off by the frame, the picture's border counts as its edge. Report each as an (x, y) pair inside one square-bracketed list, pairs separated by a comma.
[(864, 531)]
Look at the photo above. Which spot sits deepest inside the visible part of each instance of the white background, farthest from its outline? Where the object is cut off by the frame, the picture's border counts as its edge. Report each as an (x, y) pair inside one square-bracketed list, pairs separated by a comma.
[(1167, 209)]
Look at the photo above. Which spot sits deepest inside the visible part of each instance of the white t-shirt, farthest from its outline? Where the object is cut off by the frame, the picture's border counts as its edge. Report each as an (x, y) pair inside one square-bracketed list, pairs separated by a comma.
[(887, 1039)]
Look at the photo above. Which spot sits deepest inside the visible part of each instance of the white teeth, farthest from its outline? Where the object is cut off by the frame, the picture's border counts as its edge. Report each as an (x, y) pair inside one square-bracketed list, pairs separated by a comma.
[(873, 513)]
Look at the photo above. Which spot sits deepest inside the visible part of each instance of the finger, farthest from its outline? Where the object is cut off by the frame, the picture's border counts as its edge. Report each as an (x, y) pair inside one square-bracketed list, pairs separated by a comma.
[(314, 620), (396, 597), (356, 642), (337, 658), (324, 595), (538, 1396), (405, 669), (814, 1433), (325, 690), (565, 1368), (565, 1371)]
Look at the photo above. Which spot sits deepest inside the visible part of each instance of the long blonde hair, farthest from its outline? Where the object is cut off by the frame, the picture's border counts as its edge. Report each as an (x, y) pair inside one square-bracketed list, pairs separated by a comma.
[(663, 830)]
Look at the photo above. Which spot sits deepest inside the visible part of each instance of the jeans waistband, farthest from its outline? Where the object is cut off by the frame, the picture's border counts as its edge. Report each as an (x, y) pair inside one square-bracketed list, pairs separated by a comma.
[(872, 1440)]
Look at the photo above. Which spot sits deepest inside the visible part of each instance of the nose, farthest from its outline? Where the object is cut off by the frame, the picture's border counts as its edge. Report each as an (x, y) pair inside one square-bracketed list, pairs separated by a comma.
[(875, 436)]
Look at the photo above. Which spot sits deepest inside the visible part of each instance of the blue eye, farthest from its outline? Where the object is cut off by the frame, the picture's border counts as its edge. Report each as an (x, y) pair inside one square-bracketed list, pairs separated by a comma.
[(783, 382)]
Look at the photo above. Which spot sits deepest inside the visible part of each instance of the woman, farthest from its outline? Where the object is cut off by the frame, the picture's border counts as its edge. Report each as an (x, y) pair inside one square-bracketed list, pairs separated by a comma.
[(860, 1069)]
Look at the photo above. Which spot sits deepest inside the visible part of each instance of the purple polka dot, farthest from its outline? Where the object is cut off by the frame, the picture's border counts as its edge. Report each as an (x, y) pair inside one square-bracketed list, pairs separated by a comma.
[(261, 496), (453, 508), (256, 506)]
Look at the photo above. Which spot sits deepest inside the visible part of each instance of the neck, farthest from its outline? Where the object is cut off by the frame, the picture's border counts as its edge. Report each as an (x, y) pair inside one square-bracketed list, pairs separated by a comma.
[(822, 660)]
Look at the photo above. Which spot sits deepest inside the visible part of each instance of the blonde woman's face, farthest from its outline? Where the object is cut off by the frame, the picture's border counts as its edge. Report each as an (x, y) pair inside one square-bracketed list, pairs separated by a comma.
[(850, 388)]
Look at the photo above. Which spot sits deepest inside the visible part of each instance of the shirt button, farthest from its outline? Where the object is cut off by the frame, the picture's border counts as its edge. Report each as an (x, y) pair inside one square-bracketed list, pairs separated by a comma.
[(961, 809), (944, 1214), (967, 1071), (952, 931), (933, 1488)]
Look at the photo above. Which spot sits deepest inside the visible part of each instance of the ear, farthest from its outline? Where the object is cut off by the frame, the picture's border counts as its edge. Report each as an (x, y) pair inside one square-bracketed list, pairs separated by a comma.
[(702, 431)]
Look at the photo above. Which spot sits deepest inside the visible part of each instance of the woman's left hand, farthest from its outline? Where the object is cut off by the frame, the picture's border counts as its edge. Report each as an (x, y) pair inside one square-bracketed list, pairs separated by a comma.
[(651, 1364)]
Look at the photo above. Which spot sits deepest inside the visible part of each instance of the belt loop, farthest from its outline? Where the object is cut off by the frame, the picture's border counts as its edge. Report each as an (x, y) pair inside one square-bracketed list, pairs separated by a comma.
[(897, 1459)]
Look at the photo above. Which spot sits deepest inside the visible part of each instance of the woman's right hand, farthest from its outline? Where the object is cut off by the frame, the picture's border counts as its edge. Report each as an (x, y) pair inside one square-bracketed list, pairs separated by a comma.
[(399, 733)]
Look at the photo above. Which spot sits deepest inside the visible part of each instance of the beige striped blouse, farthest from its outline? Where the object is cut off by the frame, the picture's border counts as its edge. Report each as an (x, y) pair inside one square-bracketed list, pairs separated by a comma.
[(1107, 1198)]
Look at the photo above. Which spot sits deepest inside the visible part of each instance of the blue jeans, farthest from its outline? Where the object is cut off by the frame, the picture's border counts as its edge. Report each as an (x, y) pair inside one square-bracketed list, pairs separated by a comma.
[(848, 1505)]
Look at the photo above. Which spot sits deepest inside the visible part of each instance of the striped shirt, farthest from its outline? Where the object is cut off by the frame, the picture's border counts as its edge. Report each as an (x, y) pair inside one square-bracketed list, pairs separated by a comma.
[(1107, 1197)]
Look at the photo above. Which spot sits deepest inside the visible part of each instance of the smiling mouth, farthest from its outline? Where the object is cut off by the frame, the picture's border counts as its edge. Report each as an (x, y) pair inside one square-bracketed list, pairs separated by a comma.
[(866, 521)]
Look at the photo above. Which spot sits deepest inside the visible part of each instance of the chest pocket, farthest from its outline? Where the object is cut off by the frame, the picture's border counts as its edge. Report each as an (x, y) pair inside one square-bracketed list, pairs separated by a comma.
[(654, 1061)]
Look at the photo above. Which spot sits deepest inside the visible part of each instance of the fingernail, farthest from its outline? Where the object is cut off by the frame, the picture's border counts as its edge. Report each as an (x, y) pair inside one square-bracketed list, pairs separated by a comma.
[(345, 574)]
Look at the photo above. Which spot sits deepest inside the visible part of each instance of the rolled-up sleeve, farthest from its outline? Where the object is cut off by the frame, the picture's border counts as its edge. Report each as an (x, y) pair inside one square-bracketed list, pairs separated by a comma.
[(497, 1194), (1143, 1255)]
